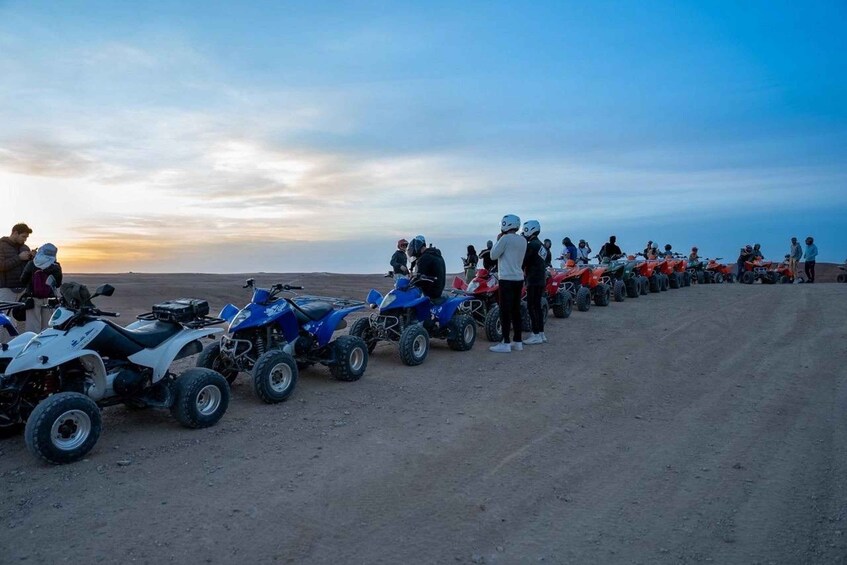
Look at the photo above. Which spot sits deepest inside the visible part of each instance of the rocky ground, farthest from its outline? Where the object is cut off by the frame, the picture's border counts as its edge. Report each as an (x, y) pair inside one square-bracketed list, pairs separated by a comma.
[(701, 425)]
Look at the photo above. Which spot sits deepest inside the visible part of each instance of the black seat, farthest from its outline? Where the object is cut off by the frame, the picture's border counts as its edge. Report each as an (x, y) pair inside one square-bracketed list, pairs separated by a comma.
[(311, 311), (441, 299), (147, 334), (113, 344)]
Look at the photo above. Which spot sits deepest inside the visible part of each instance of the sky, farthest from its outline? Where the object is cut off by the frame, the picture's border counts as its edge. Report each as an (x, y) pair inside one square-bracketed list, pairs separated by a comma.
[(310, 136)]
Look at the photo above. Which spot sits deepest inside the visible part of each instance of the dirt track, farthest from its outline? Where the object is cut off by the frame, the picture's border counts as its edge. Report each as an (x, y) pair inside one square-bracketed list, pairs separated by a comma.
[(706, 424)]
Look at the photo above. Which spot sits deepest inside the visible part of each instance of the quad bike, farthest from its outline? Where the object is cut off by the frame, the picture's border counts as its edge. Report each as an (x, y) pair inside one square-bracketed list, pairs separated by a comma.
[(781, 273), (484, 306), (680, 274), (57, 382), (409, 318), (651, 269), (716, 272), (842, 277), (275, 337), (758, 270), (621, 276), (666, 267), (584, 283), (697, 271), (558, 297)]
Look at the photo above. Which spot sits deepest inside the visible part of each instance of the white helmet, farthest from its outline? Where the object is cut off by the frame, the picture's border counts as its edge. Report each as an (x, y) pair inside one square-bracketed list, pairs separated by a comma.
[(530, 228), (510, 222)]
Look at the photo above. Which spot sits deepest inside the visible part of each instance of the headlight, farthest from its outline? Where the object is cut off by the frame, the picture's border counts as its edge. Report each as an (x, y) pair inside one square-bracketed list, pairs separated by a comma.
[(240, 318), (387, 301)]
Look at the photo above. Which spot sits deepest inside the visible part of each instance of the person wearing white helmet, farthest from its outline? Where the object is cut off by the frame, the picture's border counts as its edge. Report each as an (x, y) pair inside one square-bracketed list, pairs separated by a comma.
[(535, 268), (509, 252), (40, 279)]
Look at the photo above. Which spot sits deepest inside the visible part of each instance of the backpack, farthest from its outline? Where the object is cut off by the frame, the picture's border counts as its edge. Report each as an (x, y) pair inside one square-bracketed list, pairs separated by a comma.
[(40, 288)]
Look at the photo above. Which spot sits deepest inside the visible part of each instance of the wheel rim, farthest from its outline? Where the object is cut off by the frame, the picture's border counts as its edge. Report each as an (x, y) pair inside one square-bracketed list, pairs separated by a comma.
[(208, 400), (357, 358), (467, 334), (281, 376), (419, 346), (70, 430)]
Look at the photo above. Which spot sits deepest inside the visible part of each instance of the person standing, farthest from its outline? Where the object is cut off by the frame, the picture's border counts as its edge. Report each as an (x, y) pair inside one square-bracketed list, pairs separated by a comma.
[(583, 252), (548, 259), (398, 260), (809, 257), (745, 255), (40, 279), (469, 263), (569, 252), (14, 255), (536, 279), (509, 252), (488, 263), (795, 253)]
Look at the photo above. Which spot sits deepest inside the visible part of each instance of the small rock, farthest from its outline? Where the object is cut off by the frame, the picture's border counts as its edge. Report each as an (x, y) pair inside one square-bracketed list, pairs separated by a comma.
[(500, 548), (477, 558), (124, 463), (737, 466)]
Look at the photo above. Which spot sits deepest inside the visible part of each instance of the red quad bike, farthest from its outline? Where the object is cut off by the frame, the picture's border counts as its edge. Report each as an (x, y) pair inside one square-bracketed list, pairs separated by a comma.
[(584, 283), (718, 272), (665, 266), (560, 300), (680, 276), (757, 270), (647, 276), (656, 279), (782, 273), (484, 306)]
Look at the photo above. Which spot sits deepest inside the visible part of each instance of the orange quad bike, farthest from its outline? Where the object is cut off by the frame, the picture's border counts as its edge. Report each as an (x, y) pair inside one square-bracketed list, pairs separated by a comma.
[(758, 270), (781, 273), (716, 272), (680, 277), (584, 283), (560, 300), (651, 278), (666, 267)]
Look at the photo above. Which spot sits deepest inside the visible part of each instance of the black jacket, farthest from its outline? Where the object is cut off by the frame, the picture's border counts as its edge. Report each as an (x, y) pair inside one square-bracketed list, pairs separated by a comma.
[(11, 266), (26, 277), (398, 262), (610, 250), (431, 264), (487, 262), (534, 263)]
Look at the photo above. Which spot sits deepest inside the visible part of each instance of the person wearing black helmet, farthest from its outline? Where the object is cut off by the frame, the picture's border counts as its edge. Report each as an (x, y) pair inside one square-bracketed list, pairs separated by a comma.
[(430, 264), (668, 251), (398, 260), (745, 255), (488, 263)]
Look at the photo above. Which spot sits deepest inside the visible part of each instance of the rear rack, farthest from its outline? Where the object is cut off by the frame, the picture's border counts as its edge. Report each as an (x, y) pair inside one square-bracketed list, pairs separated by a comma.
[(9, 305), (194, 324)]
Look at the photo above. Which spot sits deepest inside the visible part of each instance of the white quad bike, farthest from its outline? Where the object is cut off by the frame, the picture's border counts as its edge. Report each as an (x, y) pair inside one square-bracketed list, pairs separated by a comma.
[(56, 382)]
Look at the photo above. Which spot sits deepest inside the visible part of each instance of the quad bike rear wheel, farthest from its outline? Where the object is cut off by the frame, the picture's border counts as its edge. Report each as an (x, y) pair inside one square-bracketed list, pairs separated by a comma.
[(644, 285), (748, 277), (730, 278), (655, 283), (620, 291), (583, 299), (492, 325), (718, 278), (633, 287), (686, 279), (701, 277), (414, 345), (275, 376), (362, 328), (673, 280), (842, 278), (210, 358), (462, 333), (202, 397), (63, 428), (784, 280), (351, 358)]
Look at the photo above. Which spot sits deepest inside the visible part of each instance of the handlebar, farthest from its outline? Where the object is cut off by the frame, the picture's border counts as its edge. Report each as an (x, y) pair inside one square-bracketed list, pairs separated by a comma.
[(280, 286)]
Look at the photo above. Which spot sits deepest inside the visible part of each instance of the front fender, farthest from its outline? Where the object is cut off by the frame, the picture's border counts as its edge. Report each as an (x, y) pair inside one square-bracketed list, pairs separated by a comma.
[(228, 312), (90, 361), (445, 311), (14, 346), (161, 358)]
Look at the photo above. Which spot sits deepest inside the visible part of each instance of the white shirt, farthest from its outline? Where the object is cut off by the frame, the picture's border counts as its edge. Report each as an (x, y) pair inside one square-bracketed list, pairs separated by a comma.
[(509, 252)]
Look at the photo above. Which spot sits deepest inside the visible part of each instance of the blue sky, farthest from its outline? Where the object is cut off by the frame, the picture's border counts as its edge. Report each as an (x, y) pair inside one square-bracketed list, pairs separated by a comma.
[(310, 136)]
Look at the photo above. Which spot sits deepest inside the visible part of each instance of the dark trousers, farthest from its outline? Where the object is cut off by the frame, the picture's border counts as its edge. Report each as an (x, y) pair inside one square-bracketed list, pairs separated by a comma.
[(809, 267), (510, 309), (533, 302)]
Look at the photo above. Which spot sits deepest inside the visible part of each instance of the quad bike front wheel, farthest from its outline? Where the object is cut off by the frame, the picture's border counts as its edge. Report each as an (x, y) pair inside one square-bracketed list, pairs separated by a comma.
[(602, 294), (493, 326), (842, 278), (673, 281), (275, 376), (351, 358), (63, 428), (644, 284), (462, 335), (620, 291), (583, 299), (202, 397), (633, 287), (210, 358), (362, 328), (414, 345), (748, 277), (563, 306)]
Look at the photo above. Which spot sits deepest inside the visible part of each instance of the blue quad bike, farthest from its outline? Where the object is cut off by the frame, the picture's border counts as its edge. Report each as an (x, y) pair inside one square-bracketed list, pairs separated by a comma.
[(274, 337), (409, 318), (5, 321)]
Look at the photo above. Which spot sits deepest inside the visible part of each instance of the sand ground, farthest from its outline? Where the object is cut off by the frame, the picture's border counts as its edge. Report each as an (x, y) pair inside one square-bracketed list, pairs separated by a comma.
[(702, 425)]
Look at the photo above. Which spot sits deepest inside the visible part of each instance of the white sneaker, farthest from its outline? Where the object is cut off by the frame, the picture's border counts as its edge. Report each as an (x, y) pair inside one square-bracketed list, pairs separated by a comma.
[(534, 339), (517, 346), (501, 348), (543, 337)]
